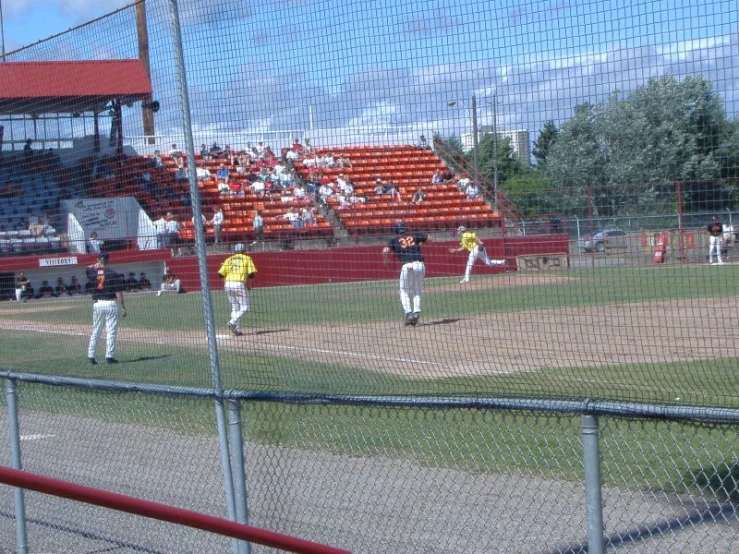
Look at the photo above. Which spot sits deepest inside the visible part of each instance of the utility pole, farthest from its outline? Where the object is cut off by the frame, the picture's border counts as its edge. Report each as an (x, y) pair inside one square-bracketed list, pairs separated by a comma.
[(495, 144), (474, 136)]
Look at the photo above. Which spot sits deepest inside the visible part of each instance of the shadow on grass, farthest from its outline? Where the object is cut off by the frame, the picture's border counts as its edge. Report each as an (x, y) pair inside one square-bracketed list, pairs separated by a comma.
[(267, 332), (445, 321)]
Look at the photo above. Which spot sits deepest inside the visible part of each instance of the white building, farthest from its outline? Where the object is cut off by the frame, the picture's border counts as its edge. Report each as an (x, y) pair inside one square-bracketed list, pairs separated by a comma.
[(519, 141)]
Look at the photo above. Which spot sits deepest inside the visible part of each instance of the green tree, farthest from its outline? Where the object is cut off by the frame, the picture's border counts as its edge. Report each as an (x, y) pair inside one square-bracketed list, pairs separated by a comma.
[(665, 131), (547, 137)]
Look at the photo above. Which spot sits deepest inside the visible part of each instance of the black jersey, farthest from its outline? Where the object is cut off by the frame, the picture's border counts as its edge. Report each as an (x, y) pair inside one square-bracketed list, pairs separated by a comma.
[(106, 283), (408, 247), (715, 229)]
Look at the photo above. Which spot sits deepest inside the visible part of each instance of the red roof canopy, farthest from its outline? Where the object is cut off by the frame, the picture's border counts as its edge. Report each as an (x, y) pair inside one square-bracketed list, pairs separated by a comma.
[(70, 87)]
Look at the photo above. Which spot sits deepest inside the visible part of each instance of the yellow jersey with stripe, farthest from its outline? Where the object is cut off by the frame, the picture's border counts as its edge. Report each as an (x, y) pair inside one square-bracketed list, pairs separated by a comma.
[(237, 268), (469, 240)]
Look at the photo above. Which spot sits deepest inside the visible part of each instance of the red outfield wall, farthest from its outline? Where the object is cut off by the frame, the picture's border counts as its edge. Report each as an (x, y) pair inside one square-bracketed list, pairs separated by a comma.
[(364, 263), (286, 267)]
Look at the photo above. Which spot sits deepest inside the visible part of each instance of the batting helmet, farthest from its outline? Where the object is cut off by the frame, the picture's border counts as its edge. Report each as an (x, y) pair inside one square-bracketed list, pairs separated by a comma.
[(238, 247), (399, 227), (461, 229), (103, 256)]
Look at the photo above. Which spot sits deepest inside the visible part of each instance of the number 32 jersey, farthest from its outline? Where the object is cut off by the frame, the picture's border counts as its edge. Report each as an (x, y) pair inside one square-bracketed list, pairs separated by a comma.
[(408, 247)]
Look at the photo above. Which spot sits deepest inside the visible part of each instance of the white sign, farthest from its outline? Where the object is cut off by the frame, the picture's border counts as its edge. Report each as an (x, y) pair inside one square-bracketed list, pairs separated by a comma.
[(53, 262)]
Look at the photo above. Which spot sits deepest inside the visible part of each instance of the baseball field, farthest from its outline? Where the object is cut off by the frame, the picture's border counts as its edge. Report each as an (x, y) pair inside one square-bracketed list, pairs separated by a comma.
[(661, 334)]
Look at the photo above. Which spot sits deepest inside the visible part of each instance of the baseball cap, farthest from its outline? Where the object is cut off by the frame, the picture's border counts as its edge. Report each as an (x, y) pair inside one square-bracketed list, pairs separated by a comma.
[(238, 247), (461, 229), (399, 227)]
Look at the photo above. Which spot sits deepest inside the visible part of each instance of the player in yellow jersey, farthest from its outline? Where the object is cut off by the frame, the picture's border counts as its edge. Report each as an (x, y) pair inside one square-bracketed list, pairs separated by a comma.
[(469, 241), (238, 273)]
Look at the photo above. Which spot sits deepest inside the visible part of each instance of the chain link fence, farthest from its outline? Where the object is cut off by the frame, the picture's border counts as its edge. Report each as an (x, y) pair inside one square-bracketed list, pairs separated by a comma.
[(347, 424), (381, 475)]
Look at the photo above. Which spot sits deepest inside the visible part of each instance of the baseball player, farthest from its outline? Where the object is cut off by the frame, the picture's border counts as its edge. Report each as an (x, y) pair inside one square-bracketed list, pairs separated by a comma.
[(715, 232), (106, 294), (469, 241), (407, 248), (238, 272)]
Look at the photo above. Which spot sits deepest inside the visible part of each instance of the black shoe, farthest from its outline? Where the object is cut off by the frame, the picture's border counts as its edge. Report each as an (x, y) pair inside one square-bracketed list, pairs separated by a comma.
[(111, 361), (92, 361), (414, 319), (408, 319)]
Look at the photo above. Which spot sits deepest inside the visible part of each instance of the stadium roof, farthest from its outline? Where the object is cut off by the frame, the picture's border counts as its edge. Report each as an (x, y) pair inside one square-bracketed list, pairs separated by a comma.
[(70, 87)]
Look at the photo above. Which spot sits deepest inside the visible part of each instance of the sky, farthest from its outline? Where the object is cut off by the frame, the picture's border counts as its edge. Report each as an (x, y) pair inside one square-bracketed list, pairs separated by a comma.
[(383, 70)]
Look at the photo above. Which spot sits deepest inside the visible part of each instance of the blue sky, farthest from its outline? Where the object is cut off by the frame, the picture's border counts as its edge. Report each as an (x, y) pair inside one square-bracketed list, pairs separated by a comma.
[(383, 68)]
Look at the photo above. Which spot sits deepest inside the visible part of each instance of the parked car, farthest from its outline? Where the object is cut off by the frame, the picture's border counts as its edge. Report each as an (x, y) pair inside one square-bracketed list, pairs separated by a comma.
[(610, 238)]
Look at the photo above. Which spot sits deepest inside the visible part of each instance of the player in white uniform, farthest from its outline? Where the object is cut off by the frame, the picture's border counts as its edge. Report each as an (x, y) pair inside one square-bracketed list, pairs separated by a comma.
[(469, 241)]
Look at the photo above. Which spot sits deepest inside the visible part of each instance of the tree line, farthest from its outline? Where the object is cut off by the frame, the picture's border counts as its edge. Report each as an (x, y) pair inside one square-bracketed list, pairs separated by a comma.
[(624, 156)]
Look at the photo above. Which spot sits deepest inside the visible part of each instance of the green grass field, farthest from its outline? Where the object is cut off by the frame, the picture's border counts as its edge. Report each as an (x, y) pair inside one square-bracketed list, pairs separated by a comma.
[(186, 362), (709, 382)]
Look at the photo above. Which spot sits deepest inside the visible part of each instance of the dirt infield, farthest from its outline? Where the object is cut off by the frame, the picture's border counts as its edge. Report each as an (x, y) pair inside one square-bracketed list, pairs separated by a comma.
[(495, 343)]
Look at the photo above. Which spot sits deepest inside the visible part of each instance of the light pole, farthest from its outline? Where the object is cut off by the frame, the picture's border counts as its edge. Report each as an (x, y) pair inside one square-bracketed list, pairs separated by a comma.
[(474, 135), (2, 31), (474, 131)]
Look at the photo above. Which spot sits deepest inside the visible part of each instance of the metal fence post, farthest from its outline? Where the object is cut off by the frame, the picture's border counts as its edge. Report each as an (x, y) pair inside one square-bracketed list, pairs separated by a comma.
[(237, 467), (593, 497), (15, 460)]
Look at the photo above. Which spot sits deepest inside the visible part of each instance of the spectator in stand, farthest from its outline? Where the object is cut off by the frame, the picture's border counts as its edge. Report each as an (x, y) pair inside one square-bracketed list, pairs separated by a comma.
[(215, 151), (258, 226), (423, 143), (61, 288), (235, 188), (94, 244), (308, 215), (462, 183), (472, 191), (260, 149), (243, 163), (299, 192), (227, 154), (223, 175), (160, 228), (325, 191), (45, 290), (204, 153), (74, 286), (293, 218), (175, 154), (223, 188), (157, 160), (308, 148), (180, 174), (172, 231), (185, 198), (343, 161), (202, 172), (144, 283), (217, 223), (132, 284), (170, 283), (419, 196), (437, 178), (258, 187), (345, 186)]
